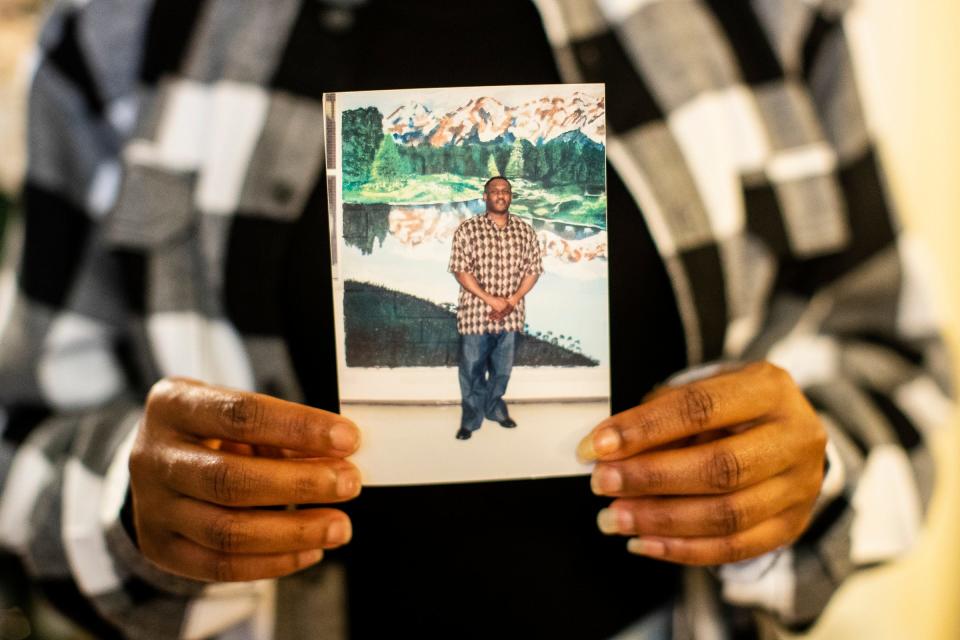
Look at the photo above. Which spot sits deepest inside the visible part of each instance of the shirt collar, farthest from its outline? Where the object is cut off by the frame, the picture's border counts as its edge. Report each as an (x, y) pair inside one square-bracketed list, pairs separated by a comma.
[(510, 217)]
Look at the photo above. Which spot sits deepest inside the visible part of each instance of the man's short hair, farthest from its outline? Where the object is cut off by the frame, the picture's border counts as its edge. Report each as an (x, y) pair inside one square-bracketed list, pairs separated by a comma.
[(486, 185)]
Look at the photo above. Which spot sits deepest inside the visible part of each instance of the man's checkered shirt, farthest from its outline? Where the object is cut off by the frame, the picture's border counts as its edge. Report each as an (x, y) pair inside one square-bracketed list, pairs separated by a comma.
[(498, 258)]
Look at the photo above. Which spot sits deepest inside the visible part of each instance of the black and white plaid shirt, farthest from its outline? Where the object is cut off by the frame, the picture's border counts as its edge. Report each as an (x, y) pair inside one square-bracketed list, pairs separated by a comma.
[(499, 258), (175, 144)]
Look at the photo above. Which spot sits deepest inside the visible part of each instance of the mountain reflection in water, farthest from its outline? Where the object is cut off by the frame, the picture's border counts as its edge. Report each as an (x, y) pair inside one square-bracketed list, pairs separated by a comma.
[(366, 227)]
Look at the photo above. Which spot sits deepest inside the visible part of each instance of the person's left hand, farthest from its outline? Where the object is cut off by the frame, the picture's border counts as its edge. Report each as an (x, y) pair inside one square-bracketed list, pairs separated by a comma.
[(497, 316), (715, 471), (513, 301)]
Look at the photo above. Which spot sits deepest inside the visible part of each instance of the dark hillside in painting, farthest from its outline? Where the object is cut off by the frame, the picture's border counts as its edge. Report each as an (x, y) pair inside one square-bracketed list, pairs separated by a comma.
[(386, 328)]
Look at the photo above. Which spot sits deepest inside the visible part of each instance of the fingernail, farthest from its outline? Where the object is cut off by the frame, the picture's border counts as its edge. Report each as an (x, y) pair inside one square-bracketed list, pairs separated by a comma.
[(347, 485), (598, 444), (646, 547), (608, 521), (606, 480), (606, 441), (613, 521), (339, 532), (343, 437), (305, 558)]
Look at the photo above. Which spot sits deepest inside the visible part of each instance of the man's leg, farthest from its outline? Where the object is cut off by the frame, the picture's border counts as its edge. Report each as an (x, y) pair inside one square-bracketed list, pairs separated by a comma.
[(474, 352), (500, 365)]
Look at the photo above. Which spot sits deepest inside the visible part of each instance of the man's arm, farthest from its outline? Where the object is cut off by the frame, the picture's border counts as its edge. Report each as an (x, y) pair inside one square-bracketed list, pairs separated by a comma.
[(529, 280), (532, 269)]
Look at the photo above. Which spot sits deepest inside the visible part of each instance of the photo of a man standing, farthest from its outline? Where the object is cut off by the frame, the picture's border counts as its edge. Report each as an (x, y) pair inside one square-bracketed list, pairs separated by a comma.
[(496, 259), (504, 188)]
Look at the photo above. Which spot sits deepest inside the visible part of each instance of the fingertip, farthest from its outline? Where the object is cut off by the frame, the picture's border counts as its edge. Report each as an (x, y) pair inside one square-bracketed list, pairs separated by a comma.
[(606, 480), (585, 450), (608, 522), (606, 441), (647, 547), (613, 520), (339, 532), (344, 437), (603, 441), (307, 558), (348, 485)]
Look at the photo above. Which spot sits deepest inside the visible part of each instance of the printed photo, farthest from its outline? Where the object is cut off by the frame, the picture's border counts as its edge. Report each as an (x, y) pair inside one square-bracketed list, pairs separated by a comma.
[(469, 244)]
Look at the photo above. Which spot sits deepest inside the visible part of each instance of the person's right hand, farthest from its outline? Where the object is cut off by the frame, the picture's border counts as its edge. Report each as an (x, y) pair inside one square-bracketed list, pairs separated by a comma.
[(500, 308), (206, 458)]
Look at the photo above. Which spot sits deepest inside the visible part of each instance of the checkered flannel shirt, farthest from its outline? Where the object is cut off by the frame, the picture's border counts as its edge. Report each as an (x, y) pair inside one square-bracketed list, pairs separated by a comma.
[(498, 258), (166, 136)]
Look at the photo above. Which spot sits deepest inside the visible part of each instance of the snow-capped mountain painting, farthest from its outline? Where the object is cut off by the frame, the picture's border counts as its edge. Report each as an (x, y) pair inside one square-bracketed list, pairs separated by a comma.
[(486, 119)]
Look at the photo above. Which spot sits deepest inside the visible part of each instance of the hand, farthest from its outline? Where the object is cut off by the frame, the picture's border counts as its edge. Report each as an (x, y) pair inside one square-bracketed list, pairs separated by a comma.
[(711, 472), (499, 306), (206, 457)]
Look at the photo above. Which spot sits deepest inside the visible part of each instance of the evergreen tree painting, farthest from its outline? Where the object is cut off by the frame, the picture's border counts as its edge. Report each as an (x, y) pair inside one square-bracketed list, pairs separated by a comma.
[(362, 133), (492, 169), (389, 169), (515, 163)]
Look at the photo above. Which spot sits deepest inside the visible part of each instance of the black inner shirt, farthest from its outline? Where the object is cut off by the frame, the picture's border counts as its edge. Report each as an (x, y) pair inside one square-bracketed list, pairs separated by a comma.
[(494, 559)]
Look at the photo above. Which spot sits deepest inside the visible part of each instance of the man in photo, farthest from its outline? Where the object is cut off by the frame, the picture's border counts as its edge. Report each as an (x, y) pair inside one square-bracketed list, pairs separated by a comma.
[(496, 259)]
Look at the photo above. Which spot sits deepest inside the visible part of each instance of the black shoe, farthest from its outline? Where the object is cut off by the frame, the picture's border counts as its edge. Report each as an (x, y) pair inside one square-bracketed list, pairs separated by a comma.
[(508, 423), (464, 434)]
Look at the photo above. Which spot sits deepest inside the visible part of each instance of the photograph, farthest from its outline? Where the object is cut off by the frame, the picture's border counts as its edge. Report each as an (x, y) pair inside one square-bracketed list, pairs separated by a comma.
[(469, 249)]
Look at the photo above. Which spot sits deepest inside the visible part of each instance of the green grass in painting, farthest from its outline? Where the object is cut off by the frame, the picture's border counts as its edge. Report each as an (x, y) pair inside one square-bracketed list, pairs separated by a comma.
[(428, 189)]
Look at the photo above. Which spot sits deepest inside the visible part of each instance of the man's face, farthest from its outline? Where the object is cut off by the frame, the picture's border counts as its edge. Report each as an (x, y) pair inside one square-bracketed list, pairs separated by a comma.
[(498, 196)]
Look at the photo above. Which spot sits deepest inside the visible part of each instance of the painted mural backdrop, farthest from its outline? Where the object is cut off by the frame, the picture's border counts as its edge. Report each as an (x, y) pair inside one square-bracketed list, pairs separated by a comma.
[(413, 168)]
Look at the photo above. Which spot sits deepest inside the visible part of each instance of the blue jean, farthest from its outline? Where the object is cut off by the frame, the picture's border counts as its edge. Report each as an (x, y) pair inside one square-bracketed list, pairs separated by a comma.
[(485, 364)]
